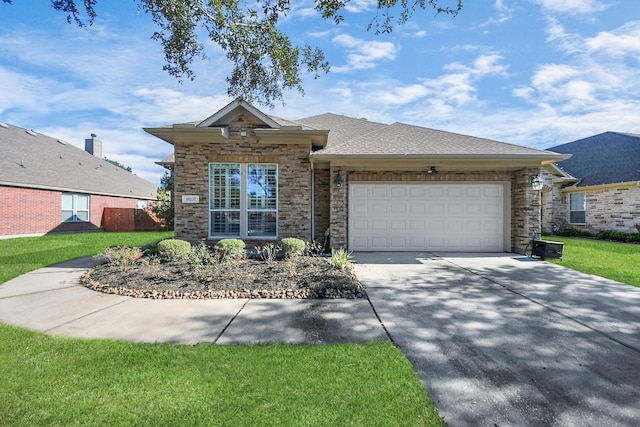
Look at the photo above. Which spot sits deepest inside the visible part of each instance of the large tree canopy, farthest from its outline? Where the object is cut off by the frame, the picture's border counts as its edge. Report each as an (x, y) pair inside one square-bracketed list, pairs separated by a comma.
[(265, 61)]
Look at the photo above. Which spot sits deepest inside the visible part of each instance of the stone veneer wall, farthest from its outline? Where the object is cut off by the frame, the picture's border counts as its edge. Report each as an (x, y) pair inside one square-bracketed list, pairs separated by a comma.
[(322, 191), (525, 202), (552, 201), (339, 210), (191, 175), (607, 208), (525, 209)]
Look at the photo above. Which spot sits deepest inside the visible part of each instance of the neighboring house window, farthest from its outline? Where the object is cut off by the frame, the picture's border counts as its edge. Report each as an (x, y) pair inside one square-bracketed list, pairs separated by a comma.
[(75, 207), (142, 204), (577, 208), (243, 199)]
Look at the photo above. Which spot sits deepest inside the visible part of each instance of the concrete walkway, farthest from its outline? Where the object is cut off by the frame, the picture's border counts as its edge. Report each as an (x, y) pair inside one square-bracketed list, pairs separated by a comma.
[(504, 340), (53, 301)]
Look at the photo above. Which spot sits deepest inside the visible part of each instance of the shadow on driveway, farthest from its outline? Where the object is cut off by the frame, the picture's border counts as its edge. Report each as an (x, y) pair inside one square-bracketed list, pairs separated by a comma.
[(502, 340)]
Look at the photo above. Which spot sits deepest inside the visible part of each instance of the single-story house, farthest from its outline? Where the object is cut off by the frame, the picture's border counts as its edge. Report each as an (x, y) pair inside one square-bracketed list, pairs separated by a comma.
[(598, 188), (368, 186), (48, 185)]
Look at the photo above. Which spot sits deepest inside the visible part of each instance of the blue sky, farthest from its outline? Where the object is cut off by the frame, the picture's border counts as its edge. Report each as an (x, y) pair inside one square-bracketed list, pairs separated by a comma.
[(531, 72)]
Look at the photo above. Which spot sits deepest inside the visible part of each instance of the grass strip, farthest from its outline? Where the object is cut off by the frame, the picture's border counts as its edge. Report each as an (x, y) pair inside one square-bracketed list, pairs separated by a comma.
[(53, 380), (615, 261)]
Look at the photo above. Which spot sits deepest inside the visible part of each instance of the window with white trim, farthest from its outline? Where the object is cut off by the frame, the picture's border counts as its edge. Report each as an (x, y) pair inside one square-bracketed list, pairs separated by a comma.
[(75, 207), (577, 208), (243, 200)]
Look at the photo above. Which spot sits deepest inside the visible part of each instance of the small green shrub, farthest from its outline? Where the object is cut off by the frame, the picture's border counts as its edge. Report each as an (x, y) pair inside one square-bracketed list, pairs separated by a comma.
[(122, 256), (174, 250), (340, 259), (292, 247), (230, 249)]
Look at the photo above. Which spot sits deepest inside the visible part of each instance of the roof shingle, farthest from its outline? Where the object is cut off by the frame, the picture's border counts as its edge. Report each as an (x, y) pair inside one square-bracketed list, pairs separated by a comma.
[(30, 159)]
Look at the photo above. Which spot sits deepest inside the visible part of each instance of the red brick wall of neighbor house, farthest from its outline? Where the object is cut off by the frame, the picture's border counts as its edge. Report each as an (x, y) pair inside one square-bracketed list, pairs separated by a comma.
[(28, 211), (36, 211), (191, 177)]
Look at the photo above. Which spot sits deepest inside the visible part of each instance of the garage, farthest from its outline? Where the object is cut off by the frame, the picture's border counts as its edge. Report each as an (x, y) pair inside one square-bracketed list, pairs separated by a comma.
[(427, 217)]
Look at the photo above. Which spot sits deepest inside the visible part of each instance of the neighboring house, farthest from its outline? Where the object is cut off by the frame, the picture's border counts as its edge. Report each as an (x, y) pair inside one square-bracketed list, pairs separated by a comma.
[(370, 186), (598, 188), (48, 185)]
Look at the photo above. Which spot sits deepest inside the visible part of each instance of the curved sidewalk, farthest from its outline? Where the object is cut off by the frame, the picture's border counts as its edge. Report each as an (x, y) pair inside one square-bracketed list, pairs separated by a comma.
[(52, 300)]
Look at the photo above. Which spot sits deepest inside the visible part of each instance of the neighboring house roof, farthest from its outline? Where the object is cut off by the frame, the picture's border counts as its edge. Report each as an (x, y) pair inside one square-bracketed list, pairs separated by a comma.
[(33, 160), (607, 158)]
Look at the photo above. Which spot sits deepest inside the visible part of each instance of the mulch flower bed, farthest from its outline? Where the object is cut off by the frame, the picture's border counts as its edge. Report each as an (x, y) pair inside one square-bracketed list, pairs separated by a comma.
[(302, 278)]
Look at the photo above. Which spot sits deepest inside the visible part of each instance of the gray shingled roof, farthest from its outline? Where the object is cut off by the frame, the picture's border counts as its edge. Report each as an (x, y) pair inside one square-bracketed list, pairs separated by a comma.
[(607, 158), (341, 128), (34, 160), (359, 137)]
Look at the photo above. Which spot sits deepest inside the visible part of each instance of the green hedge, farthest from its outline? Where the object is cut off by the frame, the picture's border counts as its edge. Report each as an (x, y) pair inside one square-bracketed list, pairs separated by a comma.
[(618, 236)]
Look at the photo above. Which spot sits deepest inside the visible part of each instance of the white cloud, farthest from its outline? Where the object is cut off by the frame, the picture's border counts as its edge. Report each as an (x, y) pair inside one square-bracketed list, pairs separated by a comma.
[(363, 54), (619, 42), (572, 6)]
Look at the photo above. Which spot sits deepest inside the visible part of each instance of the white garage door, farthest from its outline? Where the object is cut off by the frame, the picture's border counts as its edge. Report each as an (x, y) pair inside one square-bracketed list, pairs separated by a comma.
[(433, 217)]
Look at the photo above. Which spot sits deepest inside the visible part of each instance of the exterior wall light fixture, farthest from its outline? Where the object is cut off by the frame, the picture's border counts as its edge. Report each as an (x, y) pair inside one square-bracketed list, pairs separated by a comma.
[(432, 169), (536, 183), (338, 180)]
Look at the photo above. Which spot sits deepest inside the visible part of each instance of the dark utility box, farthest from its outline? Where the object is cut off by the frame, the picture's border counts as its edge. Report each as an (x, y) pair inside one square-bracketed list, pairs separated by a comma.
[(545, 249)]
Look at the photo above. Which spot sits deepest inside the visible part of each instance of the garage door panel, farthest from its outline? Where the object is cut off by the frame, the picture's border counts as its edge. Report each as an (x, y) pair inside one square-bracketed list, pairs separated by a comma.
[(436, 217)]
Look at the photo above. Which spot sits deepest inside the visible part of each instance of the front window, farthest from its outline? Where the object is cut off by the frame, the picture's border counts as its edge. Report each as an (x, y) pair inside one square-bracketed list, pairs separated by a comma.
[(75, 207), (243, 199), (577, 208)]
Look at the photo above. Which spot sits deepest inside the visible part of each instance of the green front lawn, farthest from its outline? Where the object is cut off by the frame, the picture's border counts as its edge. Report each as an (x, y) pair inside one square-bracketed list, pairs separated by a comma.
[(25, 254), (54, 380), (615, 261)]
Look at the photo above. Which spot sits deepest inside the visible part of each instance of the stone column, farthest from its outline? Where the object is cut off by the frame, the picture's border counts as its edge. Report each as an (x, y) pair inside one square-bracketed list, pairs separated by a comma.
[(526, 209), (339, 209)]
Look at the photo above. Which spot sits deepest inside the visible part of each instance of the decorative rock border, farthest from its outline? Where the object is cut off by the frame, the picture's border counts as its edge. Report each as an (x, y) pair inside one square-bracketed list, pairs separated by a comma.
[(224, 294)]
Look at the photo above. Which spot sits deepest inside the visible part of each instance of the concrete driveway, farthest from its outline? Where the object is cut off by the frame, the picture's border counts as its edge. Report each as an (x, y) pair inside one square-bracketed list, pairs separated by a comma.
[(504, 340)]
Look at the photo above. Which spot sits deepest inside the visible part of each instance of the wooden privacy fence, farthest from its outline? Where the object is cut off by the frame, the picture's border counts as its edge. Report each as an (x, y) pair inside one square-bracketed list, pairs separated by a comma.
[(128, 219)]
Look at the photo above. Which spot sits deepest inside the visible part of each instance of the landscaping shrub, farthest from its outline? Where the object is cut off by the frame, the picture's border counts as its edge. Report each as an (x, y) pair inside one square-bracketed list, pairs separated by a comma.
[(573, 232), (618, 236), (230, 249), (174, 250), (201, 255), (292, 247), (268, 252), (122, 256), (340, 259)]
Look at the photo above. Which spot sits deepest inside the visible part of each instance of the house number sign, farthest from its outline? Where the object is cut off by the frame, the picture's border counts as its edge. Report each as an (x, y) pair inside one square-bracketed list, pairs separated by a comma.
[(190, 198)]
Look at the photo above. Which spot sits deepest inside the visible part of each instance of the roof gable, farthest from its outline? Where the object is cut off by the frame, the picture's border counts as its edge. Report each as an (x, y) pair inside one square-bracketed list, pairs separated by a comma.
[(606, 158), (33, 160), (228, 113)]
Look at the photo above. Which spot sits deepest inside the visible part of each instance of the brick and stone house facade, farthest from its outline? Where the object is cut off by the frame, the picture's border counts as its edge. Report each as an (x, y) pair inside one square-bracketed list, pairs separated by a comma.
[(48, 185), (366, 185), (598, 188)]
